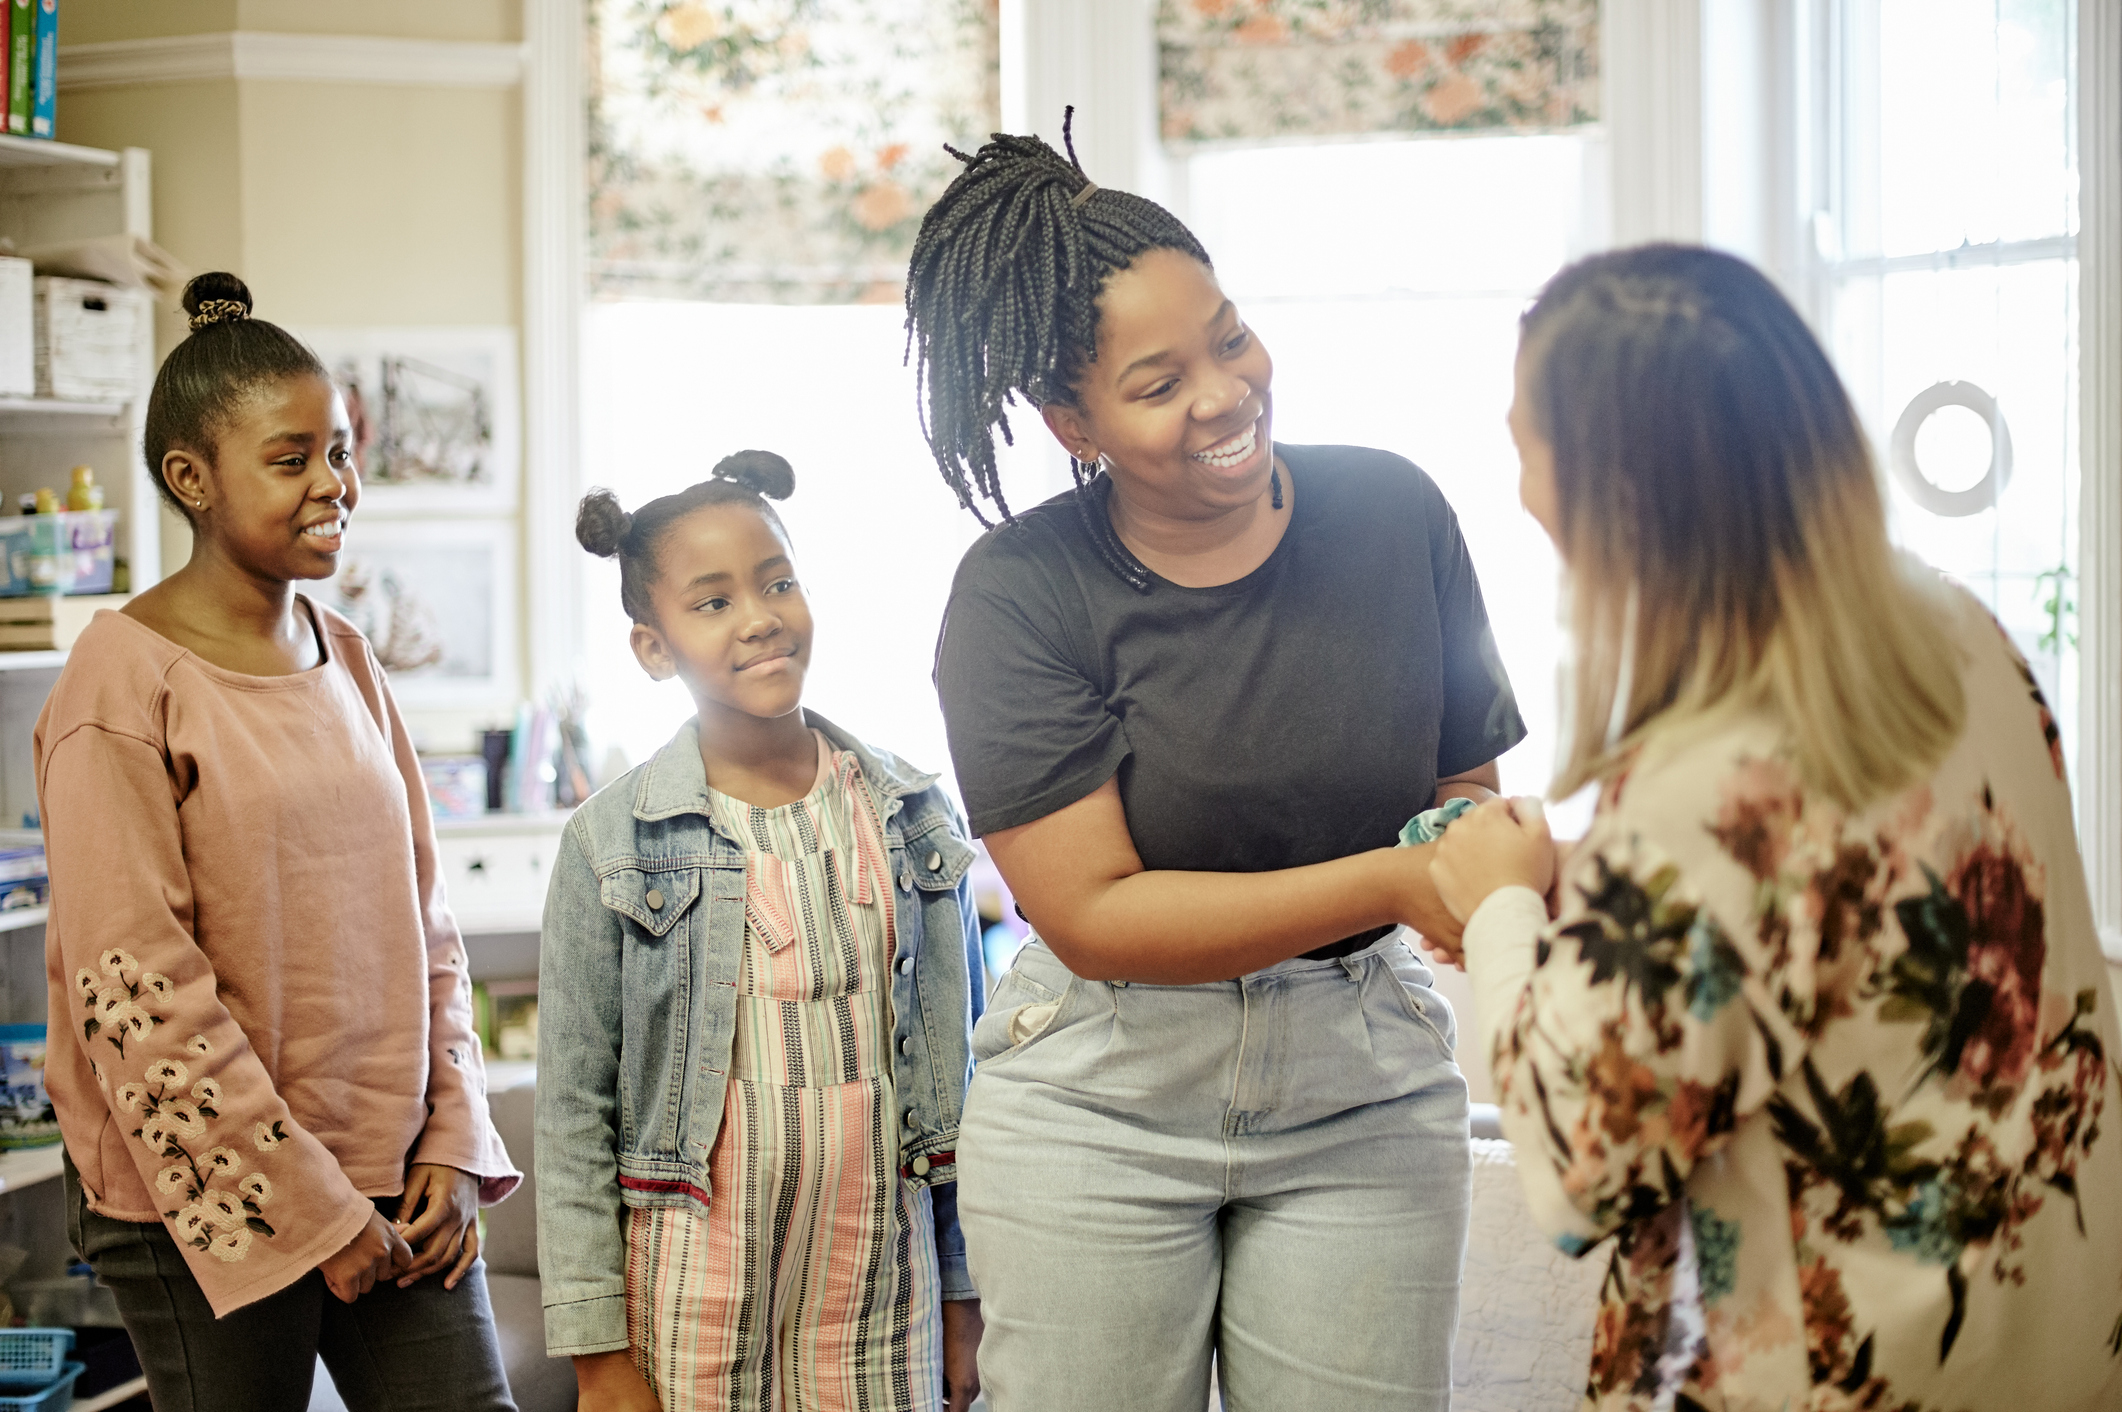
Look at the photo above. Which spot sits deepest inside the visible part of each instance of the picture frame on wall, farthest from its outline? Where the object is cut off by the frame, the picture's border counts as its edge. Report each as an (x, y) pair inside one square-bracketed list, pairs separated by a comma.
[(437, 601), (436, 413)]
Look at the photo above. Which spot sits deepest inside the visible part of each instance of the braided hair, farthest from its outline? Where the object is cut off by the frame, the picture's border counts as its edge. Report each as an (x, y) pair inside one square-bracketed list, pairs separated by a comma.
[(200, 385), (605, 529), (1002, 296)]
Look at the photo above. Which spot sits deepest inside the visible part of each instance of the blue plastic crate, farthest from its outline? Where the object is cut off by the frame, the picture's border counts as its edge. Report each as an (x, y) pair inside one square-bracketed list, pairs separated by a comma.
[(31, 1358), (56, 1398)]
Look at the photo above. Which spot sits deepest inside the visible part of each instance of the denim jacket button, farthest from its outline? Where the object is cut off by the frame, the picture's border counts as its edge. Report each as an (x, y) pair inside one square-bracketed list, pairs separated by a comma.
[(919, 1166), (906, 965), (935, 861), (654, 899), (911, 1120), (906, 1044), (906, 882)]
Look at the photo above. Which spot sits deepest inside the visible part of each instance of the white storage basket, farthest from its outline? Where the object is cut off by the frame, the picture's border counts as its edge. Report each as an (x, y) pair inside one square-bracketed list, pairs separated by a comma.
[(88, 339)]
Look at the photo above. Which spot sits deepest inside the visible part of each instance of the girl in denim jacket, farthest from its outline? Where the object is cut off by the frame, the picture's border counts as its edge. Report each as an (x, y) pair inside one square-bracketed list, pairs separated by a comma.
[(760, 973)]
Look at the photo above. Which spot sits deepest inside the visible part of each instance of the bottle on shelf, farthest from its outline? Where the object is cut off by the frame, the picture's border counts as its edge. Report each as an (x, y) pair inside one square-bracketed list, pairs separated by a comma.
[(84, 494), (47, 500)]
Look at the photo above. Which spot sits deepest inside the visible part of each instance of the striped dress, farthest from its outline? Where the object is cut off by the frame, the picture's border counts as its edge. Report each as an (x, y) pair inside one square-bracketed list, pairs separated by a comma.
[(812, 1281)]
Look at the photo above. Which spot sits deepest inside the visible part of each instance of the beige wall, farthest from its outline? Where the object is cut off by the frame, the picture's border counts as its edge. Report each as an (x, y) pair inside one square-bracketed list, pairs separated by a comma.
[(371, 205), (101, 21)]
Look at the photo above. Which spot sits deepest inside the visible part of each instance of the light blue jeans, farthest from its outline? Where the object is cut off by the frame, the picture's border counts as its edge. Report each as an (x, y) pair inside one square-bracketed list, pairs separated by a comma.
[(1272, 1170)]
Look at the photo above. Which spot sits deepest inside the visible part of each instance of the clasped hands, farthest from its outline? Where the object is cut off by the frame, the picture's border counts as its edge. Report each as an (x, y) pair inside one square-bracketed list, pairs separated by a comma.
[(437, 1224), (1498, 843)]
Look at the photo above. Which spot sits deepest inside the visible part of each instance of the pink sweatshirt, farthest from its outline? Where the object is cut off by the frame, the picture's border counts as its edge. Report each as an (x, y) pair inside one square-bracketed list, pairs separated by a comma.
[(250, 950)]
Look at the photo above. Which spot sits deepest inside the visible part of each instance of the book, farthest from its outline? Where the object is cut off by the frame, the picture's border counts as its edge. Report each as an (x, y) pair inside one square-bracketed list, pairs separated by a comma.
[(48, 623), (44, 59), (7, 63), (21, 42)]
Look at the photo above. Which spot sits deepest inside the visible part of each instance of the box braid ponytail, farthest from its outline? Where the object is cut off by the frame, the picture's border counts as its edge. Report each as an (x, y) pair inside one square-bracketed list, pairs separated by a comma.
[(1002, 297)]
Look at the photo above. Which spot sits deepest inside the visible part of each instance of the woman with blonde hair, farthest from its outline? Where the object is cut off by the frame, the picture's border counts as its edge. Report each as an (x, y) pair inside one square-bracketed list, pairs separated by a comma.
[(1820, 1030)]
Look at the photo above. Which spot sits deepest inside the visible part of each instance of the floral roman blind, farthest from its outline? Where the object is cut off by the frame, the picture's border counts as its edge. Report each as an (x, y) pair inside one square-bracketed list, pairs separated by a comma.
[(777, 151), (1245, 70)]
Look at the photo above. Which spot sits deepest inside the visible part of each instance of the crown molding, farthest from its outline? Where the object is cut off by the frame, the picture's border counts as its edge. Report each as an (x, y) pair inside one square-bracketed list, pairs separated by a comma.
[(310, 58)]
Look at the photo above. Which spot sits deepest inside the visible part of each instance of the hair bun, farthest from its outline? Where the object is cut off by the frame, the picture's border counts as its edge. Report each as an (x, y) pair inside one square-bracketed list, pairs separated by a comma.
[(216, 298), (761, 472), (601, 524)]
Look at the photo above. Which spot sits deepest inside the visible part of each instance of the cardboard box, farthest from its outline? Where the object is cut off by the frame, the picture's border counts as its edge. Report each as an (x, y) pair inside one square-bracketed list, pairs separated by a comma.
[(49, 624)]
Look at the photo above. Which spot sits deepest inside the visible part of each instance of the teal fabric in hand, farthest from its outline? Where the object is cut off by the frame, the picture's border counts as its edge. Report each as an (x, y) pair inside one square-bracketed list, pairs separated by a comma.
[(1429, 825)]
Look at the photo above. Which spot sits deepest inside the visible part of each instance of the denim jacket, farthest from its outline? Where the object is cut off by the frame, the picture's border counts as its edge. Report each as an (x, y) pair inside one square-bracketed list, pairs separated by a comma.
[(644, 934)]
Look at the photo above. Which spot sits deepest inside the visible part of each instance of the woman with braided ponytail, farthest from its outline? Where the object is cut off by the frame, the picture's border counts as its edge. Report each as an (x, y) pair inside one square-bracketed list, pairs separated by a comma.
[(1191, 703)]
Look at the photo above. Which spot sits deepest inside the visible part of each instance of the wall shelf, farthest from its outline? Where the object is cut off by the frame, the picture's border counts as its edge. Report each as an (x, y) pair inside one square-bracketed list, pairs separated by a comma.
[(32, 661), (59, 407), (124, 1392), (23, 917), (29, 1165), (38, 152)]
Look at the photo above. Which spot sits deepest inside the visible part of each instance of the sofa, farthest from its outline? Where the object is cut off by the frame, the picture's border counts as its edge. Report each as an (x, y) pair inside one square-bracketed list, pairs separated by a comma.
[(1525, 1308)]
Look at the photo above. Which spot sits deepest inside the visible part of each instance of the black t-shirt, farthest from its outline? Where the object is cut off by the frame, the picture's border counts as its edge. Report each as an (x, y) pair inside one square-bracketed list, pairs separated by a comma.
[(1302, 713)]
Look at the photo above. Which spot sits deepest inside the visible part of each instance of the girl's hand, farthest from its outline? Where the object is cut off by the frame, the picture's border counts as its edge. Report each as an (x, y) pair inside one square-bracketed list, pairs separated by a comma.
[(375, 1254), (439, 1218), (1503, 843), (962, 1328), (609, 1382)]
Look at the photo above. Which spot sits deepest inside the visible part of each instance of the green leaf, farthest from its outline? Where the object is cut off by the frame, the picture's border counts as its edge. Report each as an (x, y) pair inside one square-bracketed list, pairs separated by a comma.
[(258, 1225)]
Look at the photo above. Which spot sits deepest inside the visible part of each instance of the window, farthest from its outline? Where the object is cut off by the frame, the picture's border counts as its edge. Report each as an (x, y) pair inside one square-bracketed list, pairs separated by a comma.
[(1386, 277), (1949, 254), (672, 387)]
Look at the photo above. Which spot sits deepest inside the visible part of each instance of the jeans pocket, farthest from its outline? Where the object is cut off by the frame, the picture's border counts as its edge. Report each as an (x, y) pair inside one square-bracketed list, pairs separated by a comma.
[(1020, 1012), (1423, 1005)]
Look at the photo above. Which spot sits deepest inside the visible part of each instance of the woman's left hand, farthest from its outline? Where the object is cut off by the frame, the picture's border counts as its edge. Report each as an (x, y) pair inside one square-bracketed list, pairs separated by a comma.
[(439, 1218), (962, 1328), (1502, 843)]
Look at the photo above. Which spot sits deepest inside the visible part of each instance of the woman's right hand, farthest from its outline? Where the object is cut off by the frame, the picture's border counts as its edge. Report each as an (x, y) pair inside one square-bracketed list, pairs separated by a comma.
[(1418, 904), (377, 1253), (609, 1382)]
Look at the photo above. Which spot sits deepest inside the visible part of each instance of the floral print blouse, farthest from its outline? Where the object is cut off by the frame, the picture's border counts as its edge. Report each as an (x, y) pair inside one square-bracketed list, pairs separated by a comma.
[(1837, 1085)]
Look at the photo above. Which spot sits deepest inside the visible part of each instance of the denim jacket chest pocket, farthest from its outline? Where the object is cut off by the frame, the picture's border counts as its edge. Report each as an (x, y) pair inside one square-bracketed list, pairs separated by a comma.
[(659, 964)]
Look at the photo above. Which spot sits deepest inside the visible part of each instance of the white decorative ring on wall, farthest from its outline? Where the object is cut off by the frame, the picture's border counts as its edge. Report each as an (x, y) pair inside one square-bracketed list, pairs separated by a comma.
[(1901, 454)]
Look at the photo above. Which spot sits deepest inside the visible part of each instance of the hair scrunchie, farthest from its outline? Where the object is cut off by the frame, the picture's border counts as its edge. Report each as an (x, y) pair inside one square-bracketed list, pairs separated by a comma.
[(219, 311)]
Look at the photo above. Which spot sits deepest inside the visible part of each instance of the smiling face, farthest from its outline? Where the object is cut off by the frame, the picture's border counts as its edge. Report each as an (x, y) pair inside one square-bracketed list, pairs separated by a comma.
[(281, 486), (730, 619), (1177, 400)]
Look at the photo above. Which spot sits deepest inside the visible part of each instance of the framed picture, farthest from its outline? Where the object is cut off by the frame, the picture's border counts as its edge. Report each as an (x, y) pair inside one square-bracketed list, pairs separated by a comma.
[(435, 411), (437, 599)]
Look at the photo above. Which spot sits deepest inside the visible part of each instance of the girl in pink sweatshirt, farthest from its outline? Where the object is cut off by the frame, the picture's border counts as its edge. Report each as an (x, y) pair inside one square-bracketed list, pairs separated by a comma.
[(261, 1046)]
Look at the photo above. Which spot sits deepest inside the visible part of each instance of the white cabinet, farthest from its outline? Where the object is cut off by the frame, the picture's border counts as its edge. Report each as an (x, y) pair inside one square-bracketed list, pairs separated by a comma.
[(495, 869)]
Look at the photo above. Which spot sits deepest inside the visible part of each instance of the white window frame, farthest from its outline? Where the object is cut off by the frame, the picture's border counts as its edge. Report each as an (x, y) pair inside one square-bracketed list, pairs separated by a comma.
[(2099, 96)]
